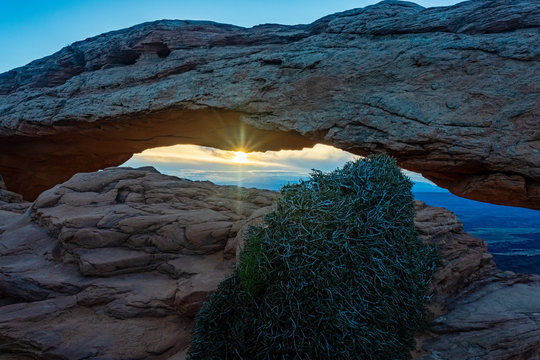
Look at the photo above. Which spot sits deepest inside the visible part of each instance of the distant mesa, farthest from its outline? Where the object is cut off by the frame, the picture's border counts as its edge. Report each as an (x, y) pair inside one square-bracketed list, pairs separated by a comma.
[(451, 92)]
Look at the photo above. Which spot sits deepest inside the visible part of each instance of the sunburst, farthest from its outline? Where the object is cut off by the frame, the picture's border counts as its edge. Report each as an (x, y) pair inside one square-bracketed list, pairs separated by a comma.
[(240, 157)]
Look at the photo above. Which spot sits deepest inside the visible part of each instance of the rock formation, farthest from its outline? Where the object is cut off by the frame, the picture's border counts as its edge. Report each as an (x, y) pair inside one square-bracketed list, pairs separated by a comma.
[(477, 311), (115, 264), (451, 92)]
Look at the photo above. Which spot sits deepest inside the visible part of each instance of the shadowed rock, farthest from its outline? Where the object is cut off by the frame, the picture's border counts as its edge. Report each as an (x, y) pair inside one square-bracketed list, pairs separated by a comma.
[(477, 312), (451, 92)]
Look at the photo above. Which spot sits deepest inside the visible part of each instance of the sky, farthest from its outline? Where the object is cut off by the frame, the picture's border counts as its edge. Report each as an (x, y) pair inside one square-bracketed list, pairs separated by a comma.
[(32, 29), (265, 170)]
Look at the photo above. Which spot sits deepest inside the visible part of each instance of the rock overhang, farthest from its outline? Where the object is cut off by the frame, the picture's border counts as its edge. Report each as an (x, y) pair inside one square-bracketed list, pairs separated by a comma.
[(451, 92)]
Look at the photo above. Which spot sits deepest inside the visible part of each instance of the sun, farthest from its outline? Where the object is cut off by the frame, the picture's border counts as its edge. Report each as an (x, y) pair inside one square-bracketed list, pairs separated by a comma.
[(240, 157)]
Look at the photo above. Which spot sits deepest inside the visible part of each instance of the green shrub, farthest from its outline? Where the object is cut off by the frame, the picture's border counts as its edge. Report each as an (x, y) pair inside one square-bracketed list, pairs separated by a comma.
[(337, 272)]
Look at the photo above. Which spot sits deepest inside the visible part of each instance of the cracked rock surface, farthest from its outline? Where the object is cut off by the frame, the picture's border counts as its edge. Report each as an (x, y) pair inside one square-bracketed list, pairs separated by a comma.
[(115, 264), (450, 92), (476, 311)]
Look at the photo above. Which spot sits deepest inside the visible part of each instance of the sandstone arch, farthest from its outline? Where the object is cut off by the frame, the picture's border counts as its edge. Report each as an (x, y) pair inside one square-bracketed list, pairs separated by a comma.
[(451, 92)]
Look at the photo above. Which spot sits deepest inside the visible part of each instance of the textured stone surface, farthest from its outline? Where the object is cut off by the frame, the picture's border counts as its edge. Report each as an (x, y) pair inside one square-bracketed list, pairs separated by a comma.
[(451, 92), (12, 202), (115, 264), (464, 258), (476, 311), (496, 318)]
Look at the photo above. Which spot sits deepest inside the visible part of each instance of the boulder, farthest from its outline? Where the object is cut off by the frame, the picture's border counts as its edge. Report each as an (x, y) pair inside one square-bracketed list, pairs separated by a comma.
[(450, 92), (497, 317), (475, 310), (115, 264)]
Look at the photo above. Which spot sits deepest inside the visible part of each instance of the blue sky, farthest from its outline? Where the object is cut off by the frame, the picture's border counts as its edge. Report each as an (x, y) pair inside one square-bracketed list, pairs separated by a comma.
[(33, 29)]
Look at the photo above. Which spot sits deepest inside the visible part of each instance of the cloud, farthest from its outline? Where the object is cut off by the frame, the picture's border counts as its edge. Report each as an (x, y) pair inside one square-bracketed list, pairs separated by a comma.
[(193, 154), (267, 170), (417, 177), (322, 157)]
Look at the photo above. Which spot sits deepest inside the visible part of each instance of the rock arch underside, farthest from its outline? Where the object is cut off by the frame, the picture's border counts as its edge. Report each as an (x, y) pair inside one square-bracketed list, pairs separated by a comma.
[(451, 93)]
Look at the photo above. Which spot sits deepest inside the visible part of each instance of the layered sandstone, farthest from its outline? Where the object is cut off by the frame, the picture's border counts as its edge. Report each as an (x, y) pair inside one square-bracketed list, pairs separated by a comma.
[(115, 264), (477, 311), (451, 92)]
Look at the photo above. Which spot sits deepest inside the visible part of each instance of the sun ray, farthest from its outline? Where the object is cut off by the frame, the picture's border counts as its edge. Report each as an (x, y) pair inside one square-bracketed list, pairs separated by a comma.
[(240, 157)]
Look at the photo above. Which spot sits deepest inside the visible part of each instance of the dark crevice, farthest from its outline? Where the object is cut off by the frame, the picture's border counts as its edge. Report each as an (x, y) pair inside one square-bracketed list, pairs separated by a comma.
[(271, 61)]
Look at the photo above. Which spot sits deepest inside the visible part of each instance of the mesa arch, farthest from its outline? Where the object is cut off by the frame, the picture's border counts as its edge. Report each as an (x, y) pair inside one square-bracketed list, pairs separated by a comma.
[(451, 92)]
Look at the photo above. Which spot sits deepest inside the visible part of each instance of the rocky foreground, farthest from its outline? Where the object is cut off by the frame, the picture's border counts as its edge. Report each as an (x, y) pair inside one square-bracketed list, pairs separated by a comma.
[(115, 264), (450, 92)]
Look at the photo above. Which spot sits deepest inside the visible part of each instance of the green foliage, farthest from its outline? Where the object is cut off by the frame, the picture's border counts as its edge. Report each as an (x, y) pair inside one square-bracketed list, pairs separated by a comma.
[(248, 269), (337, 272)]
